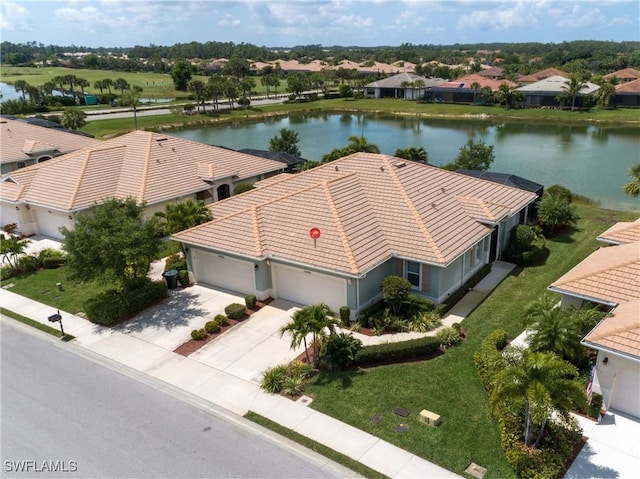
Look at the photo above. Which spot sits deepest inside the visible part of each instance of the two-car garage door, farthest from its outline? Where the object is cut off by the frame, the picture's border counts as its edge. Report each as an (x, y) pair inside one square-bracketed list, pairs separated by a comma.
[(308, 287), (224, 272)]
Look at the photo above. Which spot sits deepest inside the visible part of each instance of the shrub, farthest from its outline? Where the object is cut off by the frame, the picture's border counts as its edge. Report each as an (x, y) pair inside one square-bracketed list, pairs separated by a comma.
[(212, 327), (339, 351), (489, 360), (374, 310), (345, 315), (397, 351), (250, 300), (424, 322), (293, 385), (395, 291), (198, 334), (27, 264), (183, 278), (221, 319), (52, 262), (387, 322), (448, 337), (175, 261), (242, 187), (299, 368), (416, 304), (235, 310), (114, 305), (273, 379), (10, 228), (7, 272), (560, 191)]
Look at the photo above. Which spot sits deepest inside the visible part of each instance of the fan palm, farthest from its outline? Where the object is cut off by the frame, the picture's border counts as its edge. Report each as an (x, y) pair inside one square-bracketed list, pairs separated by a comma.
[(181, 216), (633, 187)]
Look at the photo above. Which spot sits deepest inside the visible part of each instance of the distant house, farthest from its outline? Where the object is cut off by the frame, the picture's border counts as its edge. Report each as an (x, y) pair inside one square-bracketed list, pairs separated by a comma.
[(152, 168), (461, 90), (492, 72), (289, 161), (610, 278), (544, 93), (333, 233), (541, 75), (25, 143), (623, 76), (627, 94), (408, 86)]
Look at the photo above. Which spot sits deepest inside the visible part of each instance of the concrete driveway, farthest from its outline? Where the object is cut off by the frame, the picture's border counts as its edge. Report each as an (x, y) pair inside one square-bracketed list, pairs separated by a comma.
[(247, 350)]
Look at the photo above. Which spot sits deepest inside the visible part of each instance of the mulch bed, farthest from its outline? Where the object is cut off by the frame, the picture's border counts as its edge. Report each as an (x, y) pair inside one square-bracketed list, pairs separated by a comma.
[(192, 346)]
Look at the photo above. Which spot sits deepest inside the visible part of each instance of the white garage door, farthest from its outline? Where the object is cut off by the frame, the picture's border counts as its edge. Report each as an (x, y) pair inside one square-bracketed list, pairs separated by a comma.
[(627, 394), (308, 287), (224, 272), (49, 223)]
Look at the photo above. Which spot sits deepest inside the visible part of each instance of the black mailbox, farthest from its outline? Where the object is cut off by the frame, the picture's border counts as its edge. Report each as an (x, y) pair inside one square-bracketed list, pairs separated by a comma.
[(54, 318)]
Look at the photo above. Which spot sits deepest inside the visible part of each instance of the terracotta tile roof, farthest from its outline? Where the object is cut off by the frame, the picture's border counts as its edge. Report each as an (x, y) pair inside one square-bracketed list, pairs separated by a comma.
[(549, 72), (620, 331), (20, 140), (368, 207), (468, 80), (623, 232), (491, 72), (624, 74), (148, 166), (629, 87), (610, 275)]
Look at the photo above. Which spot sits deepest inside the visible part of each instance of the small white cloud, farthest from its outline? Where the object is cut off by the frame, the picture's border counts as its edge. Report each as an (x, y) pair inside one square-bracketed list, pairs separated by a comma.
[(501, 17), (408, 19), (353, 21), (14, 17)]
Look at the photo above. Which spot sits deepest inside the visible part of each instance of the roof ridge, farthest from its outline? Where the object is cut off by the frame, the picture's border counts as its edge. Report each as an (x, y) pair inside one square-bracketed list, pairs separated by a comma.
[(76, 189), (412, 209), (341, 232), (601, 270), (482, 203), (145, 168), (256, 231), (615, 331)]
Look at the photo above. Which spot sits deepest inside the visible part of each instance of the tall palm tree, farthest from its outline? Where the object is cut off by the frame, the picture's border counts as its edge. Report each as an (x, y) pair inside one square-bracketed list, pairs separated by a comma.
[(298, 329), (476, 87), (121, 84), (536, 385), (573, 87), (12, 248), (181, 216), (132, 98), (360, 143), (99, 84), (108, 83), (199, 93), (633, 187), (22, 86), (413, 154)]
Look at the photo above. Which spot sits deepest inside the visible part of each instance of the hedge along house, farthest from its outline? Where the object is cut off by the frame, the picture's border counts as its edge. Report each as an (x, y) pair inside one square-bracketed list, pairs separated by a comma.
[(24, 144), (610, 278), (152, 168), (374, 216)]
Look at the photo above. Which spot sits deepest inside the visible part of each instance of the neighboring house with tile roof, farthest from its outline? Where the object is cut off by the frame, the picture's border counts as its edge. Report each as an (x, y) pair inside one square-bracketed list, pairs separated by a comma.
[(24, 144), (153, 168), (610, 277), (377, 216), (624, 75), (627, 94), (408, 86), (461, 89), (545, 93), (541, 75)]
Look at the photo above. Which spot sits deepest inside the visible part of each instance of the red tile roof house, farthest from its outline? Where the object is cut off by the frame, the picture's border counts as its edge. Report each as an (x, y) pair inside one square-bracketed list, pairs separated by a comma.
[(153, 168), (377, 216), (24, 144), (610, 277)]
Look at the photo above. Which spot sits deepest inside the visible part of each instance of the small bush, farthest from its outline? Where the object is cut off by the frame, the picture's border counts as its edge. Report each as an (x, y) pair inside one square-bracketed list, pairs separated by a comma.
[(242, 188), (183, 278), (273, 379), (299, 368), (198, 334), (339, 351), (221, 319), (397, 351), (250, 300), (52, 262), (293, 385), (345, 315), (7, 272), (175, 261), (388, 323), (560, 191), (235, 310), (374, 310), (489, 360), (286, 378), (448, 337), (425, 322), (28, 264), (212, 327)]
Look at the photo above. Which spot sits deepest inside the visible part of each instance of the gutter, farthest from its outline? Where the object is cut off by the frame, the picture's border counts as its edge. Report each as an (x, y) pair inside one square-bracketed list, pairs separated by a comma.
[(581, 296), (613, 352)]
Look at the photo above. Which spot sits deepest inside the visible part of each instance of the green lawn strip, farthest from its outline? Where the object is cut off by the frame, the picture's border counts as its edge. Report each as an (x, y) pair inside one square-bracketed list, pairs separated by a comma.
[(35, 324), (449, 385), (41, 286), (327, 452)]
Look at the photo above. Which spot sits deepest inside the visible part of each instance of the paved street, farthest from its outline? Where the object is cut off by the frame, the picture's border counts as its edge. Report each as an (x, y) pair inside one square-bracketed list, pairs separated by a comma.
[(59, 405)]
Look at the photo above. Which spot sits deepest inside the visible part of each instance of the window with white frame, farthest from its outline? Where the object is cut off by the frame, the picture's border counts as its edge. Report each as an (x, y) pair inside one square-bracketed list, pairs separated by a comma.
[(477, 253), (413, 273)]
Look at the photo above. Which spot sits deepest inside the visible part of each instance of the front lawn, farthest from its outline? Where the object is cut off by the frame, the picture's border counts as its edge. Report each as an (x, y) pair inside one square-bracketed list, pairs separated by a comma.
[(449, 385), (42, 286)]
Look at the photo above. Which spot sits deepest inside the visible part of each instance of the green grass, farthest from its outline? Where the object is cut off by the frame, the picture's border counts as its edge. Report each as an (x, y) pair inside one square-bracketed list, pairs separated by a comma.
[(35, 324), (449, 384), (41, 286), (327, 452)]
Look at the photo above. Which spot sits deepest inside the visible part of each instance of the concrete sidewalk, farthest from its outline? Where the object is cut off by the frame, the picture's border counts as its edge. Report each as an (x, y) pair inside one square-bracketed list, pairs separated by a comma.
[(145, 352)]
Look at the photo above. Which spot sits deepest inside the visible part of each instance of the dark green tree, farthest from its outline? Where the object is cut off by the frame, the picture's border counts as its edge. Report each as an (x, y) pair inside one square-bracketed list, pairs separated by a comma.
[(73, 118), (473, 155), (111, 241), (287, 142), (181, 216), (395, 292), (181, 75), (555, 213), (413, 153)]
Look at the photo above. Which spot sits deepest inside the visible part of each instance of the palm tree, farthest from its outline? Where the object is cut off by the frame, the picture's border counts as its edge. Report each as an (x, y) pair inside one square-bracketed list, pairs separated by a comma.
[(181, 216), (121, 84), (108, 83), (319, 319), (633, 187), (132, 98), (475, 86), (199, 93), (413, 154), (554, 329), (12, 248), (536, 385), (99, 84), (21, 86), (73, 118), (298, 328), (573, 87), (506, 95), (360, 143), (215, 88)]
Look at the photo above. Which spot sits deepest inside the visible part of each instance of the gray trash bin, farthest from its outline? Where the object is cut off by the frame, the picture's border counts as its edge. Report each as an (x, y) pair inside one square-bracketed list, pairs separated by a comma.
[(171, 277)]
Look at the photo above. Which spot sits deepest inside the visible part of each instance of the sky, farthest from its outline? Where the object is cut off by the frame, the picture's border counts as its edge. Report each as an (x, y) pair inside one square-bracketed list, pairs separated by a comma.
[(275, 23)]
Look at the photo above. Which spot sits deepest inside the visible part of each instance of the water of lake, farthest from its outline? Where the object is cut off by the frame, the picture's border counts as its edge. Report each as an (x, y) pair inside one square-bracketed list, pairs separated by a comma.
[(593, 161)]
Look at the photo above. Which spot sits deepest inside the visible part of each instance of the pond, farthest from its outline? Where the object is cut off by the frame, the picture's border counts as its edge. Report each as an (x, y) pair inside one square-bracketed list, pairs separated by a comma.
[(591, 160)]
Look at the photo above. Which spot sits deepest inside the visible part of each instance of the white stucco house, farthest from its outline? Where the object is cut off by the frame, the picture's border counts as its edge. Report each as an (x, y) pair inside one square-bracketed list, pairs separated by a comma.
[(610, 277), (408, 86), (155, 169), (376, 216)]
